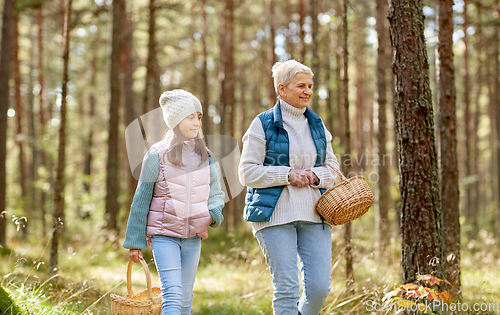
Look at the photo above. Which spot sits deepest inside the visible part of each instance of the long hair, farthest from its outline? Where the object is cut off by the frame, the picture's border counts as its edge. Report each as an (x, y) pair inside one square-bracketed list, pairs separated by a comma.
[(175, 144)]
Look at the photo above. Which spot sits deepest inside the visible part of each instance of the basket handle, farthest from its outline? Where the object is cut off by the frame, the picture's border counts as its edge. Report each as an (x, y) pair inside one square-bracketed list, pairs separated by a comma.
[(148, 278), (337, 170)]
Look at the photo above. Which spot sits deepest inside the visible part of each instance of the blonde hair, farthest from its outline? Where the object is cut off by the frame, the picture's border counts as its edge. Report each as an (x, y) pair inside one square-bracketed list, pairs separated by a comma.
[(175, 144), (284, 71)]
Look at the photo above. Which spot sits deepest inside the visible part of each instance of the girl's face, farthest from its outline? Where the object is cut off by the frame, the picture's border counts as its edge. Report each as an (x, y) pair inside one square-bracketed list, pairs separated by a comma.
[(190, 126), (298, 92)]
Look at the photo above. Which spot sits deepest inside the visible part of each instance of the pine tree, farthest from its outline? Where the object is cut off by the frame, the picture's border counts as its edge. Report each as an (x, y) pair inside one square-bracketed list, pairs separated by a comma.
[(420, 198)]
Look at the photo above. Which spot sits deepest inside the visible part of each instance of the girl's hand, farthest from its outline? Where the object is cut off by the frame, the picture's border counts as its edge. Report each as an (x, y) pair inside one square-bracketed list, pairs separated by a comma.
[(135, 255)]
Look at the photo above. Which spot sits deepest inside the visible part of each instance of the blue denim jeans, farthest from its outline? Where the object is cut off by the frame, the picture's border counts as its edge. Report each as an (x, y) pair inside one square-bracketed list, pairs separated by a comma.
[(176, 261), (312, 243)]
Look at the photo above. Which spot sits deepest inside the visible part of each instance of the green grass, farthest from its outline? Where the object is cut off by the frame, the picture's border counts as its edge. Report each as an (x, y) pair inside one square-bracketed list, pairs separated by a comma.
[(7, 305), (232, 278)]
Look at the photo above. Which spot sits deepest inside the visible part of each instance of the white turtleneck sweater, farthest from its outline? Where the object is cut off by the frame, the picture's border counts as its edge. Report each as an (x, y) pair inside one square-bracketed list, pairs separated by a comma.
[(294, 204)]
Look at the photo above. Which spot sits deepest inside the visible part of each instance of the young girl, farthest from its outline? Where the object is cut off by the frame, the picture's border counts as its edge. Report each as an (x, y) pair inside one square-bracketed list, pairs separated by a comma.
[(178, 196)]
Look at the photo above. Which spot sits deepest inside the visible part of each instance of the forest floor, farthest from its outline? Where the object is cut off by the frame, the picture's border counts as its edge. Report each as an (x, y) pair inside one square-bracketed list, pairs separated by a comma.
[(232, 278)]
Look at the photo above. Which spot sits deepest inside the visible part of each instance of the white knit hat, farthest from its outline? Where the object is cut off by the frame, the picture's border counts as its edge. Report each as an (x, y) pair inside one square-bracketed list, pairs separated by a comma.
[(177, 105)]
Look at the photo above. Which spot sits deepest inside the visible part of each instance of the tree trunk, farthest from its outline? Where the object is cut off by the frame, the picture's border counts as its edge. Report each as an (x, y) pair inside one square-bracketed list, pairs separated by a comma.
[(479, 196), (359, 134), (112, 181), (383, 63), (5, 64), (33, 142), (61, 157), (290, 46), (226, 74), (302, 16), (242, 113), (206, 119), (242, 82), (62, 11), (397, 201), (496, 93), (313, 12), (495, 219), (347, 161), (339, 54), (271, 56), (331, 113), (130, 113), (229, 69), (193, 84), (332, 78), (470, 210), (87, 164), (222, 71), (19, 139), (41, 79), (149, 103), (43, 112), (229, 75), (256, 94), (419, 189), (447, 130), (88, 157)]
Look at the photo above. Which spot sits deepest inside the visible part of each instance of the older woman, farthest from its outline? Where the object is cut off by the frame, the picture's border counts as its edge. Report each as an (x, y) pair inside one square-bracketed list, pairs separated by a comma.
[(283, 164)]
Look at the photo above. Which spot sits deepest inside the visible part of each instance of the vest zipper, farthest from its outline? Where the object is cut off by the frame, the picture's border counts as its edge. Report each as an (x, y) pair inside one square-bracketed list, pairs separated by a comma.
[(188, 166)]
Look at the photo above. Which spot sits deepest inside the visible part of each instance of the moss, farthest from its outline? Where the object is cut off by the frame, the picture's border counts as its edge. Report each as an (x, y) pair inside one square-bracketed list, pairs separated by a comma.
[(7, 306)]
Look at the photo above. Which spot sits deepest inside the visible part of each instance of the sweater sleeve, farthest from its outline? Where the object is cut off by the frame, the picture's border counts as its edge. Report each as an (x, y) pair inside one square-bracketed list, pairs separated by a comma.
[(326, 174), (135, 236), (216, 196), (252, 171)]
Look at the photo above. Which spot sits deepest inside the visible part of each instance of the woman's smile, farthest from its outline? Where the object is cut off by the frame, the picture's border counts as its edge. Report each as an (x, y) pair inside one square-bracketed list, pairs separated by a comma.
[(299, 91)]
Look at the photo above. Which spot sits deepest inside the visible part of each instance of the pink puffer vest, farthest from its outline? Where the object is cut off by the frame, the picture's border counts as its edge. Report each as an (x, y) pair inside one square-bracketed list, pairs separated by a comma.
[(179, 204)]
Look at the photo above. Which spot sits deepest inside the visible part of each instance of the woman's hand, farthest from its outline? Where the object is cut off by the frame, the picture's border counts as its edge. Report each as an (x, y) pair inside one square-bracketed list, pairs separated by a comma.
[(302, 178), (135, 255), (313, 179)]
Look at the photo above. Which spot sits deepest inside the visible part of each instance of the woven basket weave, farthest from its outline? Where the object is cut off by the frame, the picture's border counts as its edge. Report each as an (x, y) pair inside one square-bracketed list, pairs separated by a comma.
[(147, 301), (346, 201)]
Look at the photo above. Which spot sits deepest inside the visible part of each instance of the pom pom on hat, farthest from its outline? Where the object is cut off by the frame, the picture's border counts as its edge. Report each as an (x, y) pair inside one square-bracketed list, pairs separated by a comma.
[(177, 105)]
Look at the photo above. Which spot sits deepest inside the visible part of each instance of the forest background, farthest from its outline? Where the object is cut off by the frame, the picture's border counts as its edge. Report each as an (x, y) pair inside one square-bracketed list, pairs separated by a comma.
[(75, 74)]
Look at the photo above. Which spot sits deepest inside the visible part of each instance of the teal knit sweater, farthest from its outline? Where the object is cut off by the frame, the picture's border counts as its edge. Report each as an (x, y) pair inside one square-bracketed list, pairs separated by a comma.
[(135, 237)]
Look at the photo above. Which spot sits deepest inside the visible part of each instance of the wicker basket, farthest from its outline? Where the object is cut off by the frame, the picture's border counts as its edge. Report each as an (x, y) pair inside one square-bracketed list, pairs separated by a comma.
[(147, 301), (346, 201)]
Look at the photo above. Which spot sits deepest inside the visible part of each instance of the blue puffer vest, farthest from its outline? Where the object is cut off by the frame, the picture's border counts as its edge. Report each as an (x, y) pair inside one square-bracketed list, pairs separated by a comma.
[(260, 202)]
